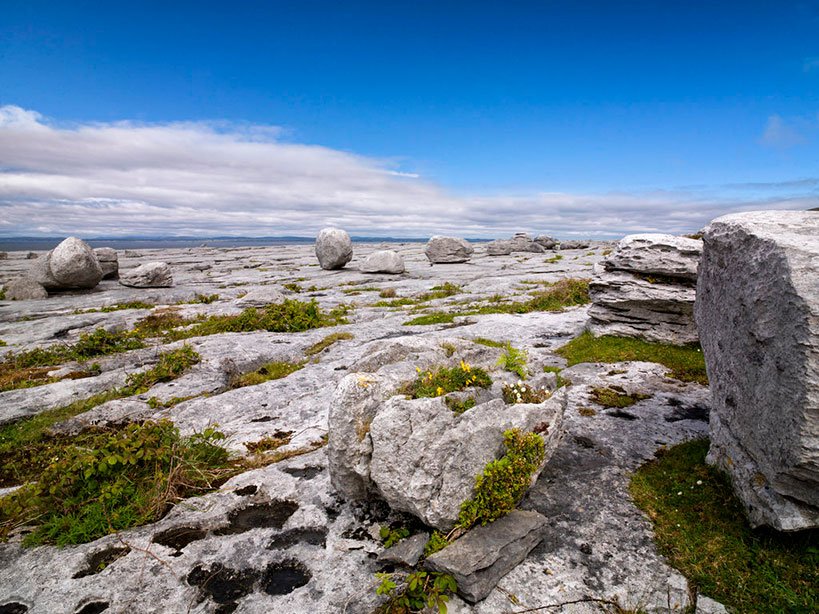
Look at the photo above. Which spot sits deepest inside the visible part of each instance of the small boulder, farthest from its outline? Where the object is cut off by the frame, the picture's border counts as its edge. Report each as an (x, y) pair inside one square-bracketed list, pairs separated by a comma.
[(70, 265), (522, 242), (334, 248), (574, 245), (485, 554), (500, 247), (24, 288), (448, 250), (546, 242), (109, 263), (148, 275), (383, 261), (260, 297), (32, 256)]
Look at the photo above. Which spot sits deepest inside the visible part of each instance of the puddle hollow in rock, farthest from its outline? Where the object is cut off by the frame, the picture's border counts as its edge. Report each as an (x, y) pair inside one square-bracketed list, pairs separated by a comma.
[(270, 515), (94, 607), (307, 473), (244, 491), (13, 608), (100, 560), (286, 539), (285, 577), (223, 584), (619, 413), (179, 537)]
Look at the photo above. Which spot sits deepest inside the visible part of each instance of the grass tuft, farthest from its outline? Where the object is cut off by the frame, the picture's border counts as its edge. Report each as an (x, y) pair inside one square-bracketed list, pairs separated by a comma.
[(614, 396), (266, 373), (700, 527), (329, 340), (443, 380)]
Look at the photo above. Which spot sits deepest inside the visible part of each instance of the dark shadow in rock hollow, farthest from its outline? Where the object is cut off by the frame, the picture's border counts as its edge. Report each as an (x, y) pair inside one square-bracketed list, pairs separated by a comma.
[(306, 473), (13, 608), (100, 560), (285, 577), (179, 537), (270, 515), (93, 607), (286, 539)]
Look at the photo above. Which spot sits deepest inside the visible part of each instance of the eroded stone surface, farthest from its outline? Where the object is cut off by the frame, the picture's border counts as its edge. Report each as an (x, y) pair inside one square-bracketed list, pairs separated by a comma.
[(334, 248), (148, 275), (448, 250)]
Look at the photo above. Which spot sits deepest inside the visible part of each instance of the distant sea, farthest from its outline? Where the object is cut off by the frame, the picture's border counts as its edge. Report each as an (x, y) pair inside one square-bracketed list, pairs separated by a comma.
[(20, 244)]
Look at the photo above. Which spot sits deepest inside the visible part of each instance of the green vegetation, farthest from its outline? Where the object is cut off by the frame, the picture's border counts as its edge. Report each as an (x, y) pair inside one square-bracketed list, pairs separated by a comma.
[(437, 542), (514, 361), (155, 403), (27, 448), (388, 293), (290, 316), (354, 291), (615, 396), (701, 528), (417, 591), (294, 287), (489, 342), (117, 307), (449, 349), (685, 362), (443, 291), (329, 340), (561, 381), (269, 443), (105, 481), (205, 299), (391, 536), (2, 294), (523, 393), (504, 481), (443, 380), (3, 343), (437, 317), (460, 406), (553, 259), (266, 373)]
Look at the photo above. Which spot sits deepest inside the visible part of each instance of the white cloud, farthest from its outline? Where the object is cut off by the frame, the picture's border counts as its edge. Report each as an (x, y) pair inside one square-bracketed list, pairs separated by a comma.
[(780, 134), (207, 179)]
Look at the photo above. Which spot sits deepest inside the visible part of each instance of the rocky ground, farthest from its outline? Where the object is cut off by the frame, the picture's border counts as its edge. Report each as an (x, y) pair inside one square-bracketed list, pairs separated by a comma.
[(277, 538)]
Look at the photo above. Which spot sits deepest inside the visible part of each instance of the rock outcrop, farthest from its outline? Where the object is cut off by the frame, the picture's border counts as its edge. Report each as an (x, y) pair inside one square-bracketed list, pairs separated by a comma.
[(448, 250), (109, 263), (574, 244), (23, 288), (546, 242), (521, 242), (334, 248), (758, 313), (646, 288), (148, 275), (383, 261), (69, 266)]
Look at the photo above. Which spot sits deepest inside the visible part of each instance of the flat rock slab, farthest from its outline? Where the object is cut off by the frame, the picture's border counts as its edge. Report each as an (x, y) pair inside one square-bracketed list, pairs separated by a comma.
[(406, 552), (479, 559)]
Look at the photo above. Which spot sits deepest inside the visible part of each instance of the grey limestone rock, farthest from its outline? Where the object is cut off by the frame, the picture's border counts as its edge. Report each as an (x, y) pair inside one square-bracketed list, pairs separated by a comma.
[(109, 262), (657, 254), (522, 242), (758, 312), (334, 248), (4, 256), (546, 242), (383, 261), (24, 288), (70, 265), (574, 244), (148, 275), (448, 250), (499, 247), (259, 297), (406, 552), (485, 554)]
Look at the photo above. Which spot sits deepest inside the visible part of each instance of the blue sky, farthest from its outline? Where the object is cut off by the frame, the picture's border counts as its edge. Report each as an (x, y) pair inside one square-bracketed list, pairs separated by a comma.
[(623, 113)]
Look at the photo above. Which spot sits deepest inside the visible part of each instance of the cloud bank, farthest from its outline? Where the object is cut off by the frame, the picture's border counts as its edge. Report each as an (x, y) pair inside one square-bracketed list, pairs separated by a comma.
[(217, 179)]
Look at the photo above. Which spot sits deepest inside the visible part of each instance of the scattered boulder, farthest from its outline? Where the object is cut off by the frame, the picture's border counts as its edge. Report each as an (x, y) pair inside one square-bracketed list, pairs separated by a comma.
[(499, 247), (485, 554), (574, 244), (24, 288), (109, 263), (521, 242), (384, 261), (758, 311), (406, 552), (132, 254), (546, 242), (4, 256), (148, 275), (646, 288), (448, 250), (334, 248), (260, 297), (70, 265), (32, 255)]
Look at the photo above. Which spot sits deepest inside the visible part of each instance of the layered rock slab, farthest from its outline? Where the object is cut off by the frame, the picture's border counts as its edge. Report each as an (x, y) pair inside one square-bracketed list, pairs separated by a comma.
[(148, 275), (646, 289), (758, 312)]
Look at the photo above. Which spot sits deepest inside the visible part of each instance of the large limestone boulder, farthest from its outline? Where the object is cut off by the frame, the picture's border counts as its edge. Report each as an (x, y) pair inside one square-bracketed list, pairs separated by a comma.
[(148, 275), (109, 262), (522, 242), (758, 313), (383, 261), (574, 244), (499, 247), (546, 242), (334, 248), (23, 289), (646, 289), (70, 265), (448, 250)]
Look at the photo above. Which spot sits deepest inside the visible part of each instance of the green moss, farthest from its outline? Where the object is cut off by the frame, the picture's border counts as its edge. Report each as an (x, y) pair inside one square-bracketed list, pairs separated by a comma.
[(443, 380), (392, 535), (170, 366), (560, 381), (329, 340), (269, 443), (701, 528), (205, 299), (110, 480), (553, 259), (565, 293), (460, 406), (443, 291), (388, 293), (504, 481), (89, 345), (685, 362), (2, 294), (614, 396), (3, 343), (437, 542), (489, 342), (266, 373), (117, 307), (432, 318)]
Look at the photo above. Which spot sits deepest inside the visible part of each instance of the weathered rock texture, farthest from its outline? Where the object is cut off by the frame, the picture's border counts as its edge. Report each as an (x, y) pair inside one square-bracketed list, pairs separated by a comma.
[(448, 250), (107, 257), (646, 289), (148, 275), (23, 288), (546, 242), (479, 559), (383, 261), (70, 265), (334, 248), (758, 313), (574, 244), (521, 242)]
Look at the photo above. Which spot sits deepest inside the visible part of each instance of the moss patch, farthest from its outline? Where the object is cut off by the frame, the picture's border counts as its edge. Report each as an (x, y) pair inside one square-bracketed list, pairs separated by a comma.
[(266, 373), (329, 340), (685, 362), (614, 396), (700, 527), (432, 318)]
